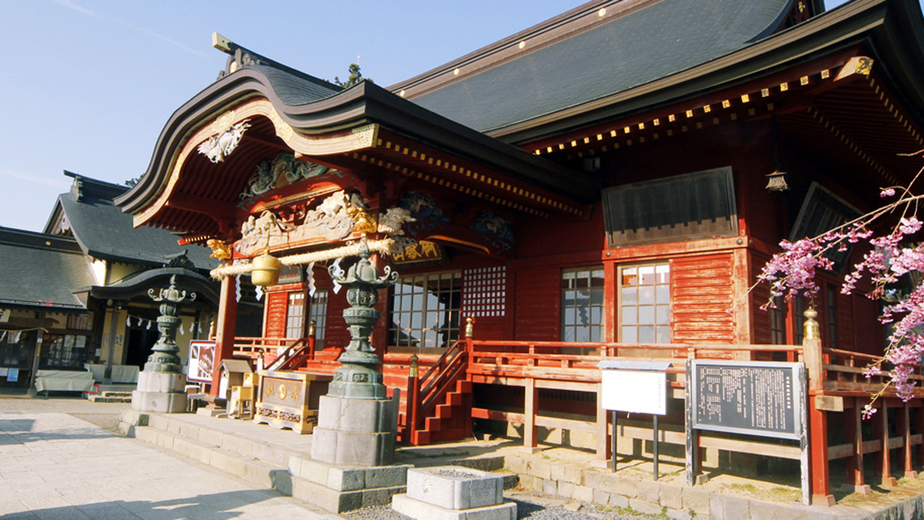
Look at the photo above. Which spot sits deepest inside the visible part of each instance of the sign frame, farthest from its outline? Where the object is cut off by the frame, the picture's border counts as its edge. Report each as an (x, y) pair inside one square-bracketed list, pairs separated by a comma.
[(796, 374), (201, 361)]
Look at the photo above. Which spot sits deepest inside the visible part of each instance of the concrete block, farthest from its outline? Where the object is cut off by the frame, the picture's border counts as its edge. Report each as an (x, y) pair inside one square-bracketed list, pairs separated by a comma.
[(644, 507), (717, 509), (422, 510), (601, 497), (133, 417), (736, 508), (453, 487), (161, 382), (619, 501), (159, 402), (380, 496), (696, 499), (583, 493), (549, 487), (540, 468), (173, 426), (603, 481), (565, 489), (649, 492), (126, 429), (352, 448), (345, 479), (671, 496), (566, 472), (258, 474), (387, 476), (517, 464), (764, 511), (679, 514), (627, 488), (356, 415)]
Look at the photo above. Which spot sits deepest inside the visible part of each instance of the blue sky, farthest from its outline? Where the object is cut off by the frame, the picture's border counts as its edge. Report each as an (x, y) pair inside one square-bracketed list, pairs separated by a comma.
[(88, 84)]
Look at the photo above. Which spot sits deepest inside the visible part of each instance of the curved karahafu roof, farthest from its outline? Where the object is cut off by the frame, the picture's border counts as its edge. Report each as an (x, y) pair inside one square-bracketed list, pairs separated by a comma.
[(363, 129)]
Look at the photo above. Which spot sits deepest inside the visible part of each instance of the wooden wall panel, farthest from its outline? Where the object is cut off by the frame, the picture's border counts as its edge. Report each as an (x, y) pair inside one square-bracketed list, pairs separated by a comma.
[(845, 318), (538, 310), (701, 299), (277, 304), (337, 334)]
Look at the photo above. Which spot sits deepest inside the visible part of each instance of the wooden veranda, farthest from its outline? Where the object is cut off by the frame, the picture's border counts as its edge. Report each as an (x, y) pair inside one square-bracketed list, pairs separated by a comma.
[(437, 404)]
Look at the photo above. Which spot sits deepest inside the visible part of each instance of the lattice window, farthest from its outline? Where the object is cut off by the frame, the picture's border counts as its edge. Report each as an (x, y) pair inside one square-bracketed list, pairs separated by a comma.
[(295, 315), (425, 310), (645, 303), (582, 304), (318, 313), (484, 292)]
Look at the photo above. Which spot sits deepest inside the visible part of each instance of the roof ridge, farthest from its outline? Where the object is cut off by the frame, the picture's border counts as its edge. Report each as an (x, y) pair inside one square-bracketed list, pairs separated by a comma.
[(563, 26)]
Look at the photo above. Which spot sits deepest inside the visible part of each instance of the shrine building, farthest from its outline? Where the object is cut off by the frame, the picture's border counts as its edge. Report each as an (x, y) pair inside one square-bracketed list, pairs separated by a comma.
[(604, 185)]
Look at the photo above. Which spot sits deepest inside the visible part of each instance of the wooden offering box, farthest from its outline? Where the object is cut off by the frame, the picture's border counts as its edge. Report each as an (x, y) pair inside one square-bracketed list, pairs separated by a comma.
[(290, 399)]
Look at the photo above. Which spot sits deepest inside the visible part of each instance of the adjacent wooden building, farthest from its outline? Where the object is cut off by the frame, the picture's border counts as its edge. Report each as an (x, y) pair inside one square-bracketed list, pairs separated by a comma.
[(604, 184)]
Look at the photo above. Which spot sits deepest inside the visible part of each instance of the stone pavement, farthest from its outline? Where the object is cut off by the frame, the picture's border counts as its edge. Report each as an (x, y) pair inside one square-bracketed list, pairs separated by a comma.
[(53, 465)]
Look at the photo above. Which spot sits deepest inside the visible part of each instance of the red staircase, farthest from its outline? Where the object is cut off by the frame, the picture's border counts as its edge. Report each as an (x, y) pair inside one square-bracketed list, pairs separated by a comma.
[(438, 406)]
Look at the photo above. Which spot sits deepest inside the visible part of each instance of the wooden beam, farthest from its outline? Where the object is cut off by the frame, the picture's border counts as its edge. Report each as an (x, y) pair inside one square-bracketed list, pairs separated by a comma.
[(217, 209)]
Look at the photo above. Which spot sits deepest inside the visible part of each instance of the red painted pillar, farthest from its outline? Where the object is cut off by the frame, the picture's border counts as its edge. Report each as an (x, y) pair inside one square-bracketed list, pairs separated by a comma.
[(885, 455), (821, 481), (227, 321), (906, 441)]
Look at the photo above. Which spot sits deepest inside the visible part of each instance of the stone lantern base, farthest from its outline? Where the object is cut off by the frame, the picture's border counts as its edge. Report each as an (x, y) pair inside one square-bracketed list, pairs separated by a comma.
[(163, 392), (355, 432)]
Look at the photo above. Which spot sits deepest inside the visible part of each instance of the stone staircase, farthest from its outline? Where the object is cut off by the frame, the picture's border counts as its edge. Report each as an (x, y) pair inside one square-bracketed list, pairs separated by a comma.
[(109, 397), (275, 459)]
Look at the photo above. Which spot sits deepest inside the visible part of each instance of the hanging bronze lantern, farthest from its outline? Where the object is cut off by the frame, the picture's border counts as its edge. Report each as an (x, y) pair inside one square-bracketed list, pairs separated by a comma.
[(265, 270)]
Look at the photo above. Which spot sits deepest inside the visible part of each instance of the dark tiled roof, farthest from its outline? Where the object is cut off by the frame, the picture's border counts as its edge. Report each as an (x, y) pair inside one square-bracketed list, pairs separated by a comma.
[(295, 89), (40, 269), (654, 42), (105, 232)]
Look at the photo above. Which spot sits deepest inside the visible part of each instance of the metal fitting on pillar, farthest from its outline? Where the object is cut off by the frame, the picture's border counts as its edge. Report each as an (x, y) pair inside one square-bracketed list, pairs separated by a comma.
[(469, 327), (414, 367), (811, 327)]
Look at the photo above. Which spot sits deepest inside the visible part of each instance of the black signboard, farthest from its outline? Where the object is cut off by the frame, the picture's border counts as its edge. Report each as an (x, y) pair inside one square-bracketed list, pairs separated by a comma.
[(748, 397)]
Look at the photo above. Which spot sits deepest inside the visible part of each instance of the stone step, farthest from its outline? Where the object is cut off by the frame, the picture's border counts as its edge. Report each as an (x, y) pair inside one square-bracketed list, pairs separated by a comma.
[(247, 449), (249, 469), (108, 399), (339, 489), (107, 393)]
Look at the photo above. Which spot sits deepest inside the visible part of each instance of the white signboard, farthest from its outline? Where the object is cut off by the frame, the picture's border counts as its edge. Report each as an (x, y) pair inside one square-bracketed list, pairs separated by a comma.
[(635, 387), (5, 315), (201, 361)]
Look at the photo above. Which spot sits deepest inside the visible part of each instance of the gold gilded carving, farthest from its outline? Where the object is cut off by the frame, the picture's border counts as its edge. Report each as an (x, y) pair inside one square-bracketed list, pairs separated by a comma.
[(362, 221), (223, 123), (283, 130), (220, 249), (366, 136), (282, 392), (268, 391), (423, 251)]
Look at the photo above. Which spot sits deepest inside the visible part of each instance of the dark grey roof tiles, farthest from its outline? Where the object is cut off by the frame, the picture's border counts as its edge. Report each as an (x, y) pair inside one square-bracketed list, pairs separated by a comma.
[(103, 231), (40, 270), (654, 42), (295, 89)]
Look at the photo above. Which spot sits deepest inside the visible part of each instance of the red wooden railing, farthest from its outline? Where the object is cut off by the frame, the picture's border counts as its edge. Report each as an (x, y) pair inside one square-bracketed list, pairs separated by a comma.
[(424, 393)]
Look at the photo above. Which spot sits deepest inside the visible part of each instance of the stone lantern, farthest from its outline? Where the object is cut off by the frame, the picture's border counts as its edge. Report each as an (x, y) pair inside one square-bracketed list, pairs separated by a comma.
[(356, 421)]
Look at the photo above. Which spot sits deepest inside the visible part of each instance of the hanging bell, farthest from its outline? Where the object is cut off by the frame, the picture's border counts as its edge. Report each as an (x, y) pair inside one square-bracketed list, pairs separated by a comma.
[(777, 181), (265, 270)]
